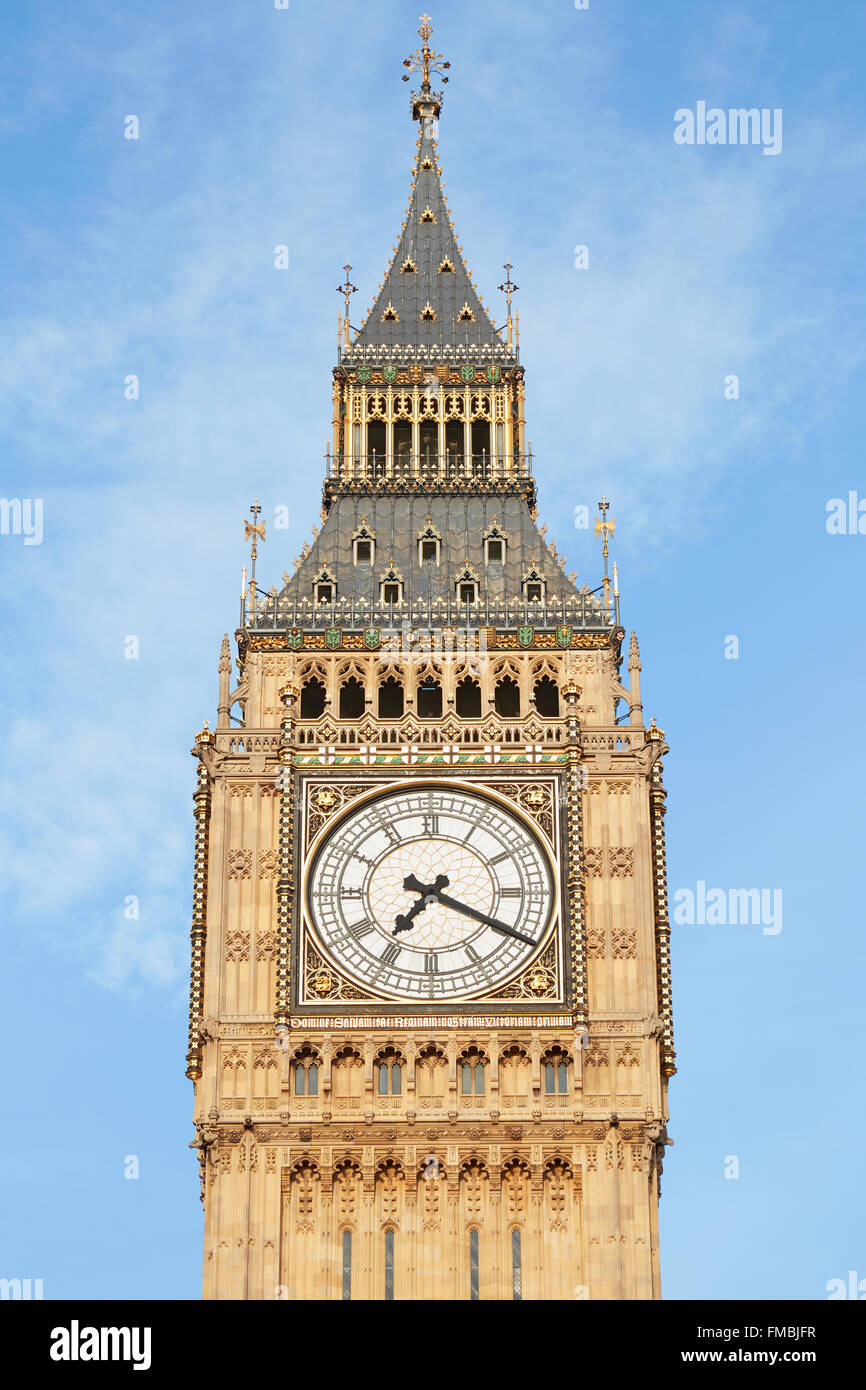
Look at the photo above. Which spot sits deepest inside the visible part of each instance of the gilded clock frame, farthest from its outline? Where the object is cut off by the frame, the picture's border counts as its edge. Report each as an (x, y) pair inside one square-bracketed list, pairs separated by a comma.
[(312, 967)]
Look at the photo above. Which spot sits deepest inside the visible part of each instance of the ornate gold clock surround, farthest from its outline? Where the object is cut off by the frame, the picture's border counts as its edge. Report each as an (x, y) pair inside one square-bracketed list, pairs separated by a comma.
[(537, 801)]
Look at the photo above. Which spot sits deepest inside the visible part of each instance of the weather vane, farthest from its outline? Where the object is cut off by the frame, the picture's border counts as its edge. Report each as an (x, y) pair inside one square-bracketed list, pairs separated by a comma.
[(425, 59)]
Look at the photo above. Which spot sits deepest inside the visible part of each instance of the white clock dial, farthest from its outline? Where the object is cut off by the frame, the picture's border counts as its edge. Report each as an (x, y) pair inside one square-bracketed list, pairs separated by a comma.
[(494, 863)]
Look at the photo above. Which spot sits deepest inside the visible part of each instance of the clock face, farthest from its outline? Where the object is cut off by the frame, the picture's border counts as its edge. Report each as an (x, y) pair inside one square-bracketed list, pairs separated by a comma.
[(494, 863)]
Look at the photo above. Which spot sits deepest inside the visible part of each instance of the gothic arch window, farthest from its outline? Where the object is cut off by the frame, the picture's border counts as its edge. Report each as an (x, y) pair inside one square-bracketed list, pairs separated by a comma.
[(389, 1073), (429, 699), (468, 699), (305, 1071), (391, 699), (547, 698), (312, 699), (506, 698), (471, 1069), (351, 699), (554, 1069)]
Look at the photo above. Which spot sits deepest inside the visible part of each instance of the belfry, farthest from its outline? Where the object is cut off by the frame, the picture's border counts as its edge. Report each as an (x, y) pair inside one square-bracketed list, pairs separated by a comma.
[(430, 1004)]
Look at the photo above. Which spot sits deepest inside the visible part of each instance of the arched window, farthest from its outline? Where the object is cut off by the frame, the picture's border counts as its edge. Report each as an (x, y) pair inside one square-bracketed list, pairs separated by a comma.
[(468, 699), (506, 698), (389, 1074), (547, 698), (472, 1073), (351, 699), (429, 699), (391, 699), (312, 699), (306, 1073)]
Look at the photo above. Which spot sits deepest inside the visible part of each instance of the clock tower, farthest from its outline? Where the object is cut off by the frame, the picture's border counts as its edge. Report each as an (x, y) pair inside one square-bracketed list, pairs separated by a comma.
[(430, 1006)]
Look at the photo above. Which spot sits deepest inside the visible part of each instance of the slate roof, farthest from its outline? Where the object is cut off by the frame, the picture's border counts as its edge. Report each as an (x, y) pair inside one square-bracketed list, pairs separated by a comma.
[(427, 244), (396, 523)]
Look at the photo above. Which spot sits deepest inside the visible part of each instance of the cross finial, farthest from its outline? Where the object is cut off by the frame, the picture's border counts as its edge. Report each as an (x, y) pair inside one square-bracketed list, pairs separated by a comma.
[(605, 529), (348, 289), (425, 59), (508, 287)]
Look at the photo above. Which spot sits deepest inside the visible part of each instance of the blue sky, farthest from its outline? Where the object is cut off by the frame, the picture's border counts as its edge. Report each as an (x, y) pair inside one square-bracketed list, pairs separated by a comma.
[(155, 257)]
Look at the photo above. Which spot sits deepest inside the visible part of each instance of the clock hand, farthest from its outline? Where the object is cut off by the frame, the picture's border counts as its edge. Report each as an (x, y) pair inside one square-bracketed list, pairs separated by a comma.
[(428, 895), (482, 917)]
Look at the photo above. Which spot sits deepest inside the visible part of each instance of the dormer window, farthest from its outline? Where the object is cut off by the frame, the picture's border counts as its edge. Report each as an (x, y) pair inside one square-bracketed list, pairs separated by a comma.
[(446, 268), (324, 587), (466, 315), (363, 545), (429, 544), (408, 267), (390, 314), (391, 587), (427, 214), (428, 313), (534, 586), (494, 545), (467, 586)]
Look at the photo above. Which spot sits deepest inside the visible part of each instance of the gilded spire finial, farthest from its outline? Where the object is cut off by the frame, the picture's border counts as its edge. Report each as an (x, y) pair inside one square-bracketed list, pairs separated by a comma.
[(508, 289), (425, 59), (605, 529), (254, 531)]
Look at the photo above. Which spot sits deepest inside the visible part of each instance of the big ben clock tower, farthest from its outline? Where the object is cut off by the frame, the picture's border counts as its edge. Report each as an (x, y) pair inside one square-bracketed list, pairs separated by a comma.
[(430, 1006)]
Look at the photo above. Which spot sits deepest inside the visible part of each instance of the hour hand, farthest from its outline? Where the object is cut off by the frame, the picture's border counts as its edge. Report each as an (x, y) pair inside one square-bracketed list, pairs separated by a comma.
[(428, 893), (412, 885)]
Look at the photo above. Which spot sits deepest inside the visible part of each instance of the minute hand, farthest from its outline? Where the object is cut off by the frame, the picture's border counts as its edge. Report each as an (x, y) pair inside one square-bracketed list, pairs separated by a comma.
[(482, 917)]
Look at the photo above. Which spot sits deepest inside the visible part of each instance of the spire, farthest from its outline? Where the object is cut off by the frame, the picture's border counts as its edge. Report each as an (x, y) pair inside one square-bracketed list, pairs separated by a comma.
[(427, 298)]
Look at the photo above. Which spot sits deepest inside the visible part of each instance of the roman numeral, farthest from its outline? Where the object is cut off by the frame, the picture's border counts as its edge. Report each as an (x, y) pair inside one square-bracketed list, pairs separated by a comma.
[(510, 892), (359, 929), (431, 964), (499, 858), (431, 824), (472, 954), (391, 954), (351, 893)]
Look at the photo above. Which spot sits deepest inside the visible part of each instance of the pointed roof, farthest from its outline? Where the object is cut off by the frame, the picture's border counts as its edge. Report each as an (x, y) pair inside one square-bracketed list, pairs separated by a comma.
[(427, 297)]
